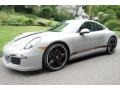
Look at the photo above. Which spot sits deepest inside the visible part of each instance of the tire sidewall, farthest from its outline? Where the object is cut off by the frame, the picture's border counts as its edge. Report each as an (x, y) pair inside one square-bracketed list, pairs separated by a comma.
[(107, 50), (45, 57)]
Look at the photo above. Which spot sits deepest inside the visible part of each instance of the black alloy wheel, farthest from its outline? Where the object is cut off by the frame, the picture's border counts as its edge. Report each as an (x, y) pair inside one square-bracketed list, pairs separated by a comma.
[(111, 46), (55, 57)]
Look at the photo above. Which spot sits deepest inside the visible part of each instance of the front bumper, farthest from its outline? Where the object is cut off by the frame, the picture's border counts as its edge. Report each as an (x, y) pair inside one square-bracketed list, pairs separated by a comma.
[(23, 60)]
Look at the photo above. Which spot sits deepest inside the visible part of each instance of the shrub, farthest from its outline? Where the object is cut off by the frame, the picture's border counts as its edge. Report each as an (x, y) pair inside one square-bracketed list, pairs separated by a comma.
[(117, 28), (21, 19), (46, 12), (30, 21), (44, 23), (112, 24), (11, 21), (0, 22), (3, 16), (16, 20), (106, 16), (51, 12), (49, 24), (31, 16), (111, 13), (52, 19), (63, 15), (7, 18), (41, 23), (118, 14)]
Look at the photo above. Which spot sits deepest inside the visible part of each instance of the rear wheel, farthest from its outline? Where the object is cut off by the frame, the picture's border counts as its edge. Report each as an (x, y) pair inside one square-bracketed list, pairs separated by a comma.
[(55, 57), (111, 46)]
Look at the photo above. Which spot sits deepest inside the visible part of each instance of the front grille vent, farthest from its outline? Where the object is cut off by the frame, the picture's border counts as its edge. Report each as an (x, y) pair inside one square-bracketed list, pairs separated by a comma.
[(15, 60)]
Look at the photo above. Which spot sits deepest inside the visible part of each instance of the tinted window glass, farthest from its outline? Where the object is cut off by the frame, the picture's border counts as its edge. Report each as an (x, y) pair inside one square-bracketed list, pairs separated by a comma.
[(99, 27), (92, 26), (86, 25)]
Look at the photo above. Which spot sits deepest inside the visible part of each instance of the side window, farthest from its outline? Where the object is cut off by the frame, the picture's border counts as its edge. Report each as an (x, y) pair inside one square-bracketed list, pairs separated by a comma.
[(89, 25), (86, 25), (92, 26), (99, 27)]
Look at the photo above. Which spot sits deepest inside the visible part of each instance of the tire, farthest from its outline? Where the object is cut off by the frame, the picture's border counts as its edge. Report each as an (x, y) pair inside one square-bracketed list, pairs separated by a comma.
[(55, 57), (111, 46)]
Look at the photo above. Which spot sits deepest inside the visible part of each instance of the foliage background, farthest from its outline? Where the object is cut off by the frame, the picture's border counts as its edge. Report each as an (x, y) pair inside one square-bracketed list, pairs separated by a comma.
[(17, 19)]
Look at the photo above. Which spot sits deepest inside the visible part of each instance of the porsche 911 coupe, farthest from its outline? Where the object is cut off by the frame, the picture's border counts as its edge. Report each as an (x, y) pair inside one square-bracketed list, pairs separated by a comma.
[(51, 49)]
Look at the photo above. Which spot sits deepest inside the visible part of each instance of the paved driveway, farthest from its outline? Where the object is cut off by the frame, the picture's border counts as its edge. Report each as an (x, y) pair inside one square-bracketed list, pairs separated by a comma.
[(94, 69)]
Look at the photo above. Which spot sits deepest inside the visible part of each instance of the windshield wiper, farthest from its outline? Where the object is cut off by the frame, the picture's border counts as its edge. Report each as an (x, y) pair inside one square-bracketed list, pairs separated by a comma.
[(52, 29)]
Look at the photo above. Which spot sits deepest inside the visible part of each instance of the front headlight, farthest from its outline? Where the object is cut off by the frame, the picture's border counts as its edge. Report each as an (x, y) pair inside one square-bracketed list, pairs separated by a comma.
[(32, 43)]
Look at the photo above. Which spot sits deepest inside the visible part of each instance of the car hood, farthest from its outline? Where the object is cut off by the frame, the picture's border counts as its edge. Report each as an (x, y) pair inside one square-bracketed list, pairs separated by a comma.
[(22, 40)]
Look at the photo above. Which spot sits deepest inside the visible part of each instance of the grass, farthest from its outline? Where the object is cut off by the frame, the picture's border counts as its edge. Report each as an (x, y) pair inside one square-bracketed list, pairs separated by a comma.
[(9, 32)]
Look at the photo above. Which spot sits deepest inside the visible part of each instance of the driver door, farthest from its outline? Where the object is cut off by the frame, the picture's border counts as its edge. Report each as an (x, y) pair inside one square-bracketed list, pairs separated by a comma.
[(87, 41)]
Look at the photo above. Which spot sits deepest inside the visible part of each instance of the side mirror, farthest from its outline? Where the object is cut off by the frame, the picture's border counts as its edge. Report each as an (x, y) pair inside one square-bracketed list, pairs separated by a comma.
[(84, 31)]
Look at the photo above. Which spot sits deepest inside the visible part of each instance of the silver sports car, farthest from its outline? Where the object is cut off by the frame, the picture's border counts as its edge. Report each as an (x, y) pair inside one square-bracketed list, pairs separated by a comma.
[(51, 49)]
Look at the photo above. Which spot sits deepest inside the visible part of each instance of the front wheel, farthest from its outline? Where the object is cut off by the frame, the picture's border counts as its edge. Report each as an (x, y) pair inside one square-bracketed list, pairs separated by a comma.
[(55, 57), (111, 46)]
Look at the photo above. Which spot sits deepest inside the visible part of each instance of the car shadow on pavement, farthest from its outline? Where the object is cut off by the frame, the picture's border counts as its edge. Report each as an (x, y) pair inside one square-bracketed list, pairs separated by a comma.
[(32, 73)]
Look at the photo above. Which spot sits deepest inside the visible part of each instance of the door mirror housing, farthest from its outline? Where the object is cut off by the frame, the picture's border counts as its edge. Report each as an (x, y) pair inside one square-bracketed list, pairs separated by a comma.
[(84, 31)]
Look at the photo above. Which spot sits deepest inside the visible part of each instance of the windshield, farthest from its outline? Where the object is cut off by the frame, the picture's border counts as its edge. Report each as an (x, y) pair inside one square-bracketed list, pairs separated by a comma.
[(59, 27), (67, 27)]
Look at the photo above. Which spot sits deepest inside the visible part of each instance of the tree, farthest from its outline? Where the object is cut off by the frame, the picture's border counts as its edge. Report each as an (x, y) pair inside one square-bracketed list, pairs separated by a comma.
[(7, 8)]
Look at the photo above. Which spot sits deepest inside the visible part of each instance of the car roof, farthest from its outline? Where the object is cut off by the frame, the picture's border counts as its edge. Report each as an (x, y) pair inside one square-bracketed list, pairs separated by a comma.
[(81, 21), (77, 21), (73, 25)]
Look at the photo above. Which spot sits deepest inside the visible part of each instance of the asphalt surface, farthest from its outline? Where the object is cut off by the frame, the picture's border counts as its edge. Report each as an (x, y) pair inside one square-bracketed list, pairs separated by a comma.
[(100, 69)]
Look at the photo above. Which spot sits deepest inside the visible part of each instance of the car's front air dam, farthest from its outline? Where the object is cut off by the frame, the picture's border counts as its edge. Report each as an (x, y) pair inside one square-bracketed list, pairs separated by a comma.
[(28, 60)]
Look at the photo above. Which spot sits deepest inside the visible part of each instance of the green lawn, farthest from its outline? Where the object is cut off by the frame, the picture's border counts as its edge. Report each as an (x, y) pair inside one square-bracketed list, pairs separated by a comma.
[(9, 32)]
